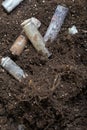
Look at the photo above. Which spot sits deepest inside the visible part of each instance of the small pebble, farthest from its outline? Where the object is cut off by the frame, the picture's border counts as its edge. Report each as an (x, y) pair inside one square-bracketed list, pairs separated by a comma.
[(21, 127), (73, 30)]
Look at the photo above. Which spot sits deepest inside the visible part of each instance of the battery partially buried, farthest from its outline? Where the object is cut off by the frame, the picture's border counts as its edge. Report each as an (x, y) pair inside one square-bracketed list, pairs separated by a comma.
[(56, 23), (36, 39), (9, 5), (13, 68), (19, 45)]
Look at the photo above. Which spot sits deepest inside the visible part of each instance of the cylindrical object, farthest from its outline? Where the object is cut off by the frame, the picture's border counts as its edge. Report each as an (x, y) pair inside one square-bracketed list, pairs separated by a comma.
[(36, 39), (9, 5), (13, 68), (33, 20), (19, 45), (56, 23)]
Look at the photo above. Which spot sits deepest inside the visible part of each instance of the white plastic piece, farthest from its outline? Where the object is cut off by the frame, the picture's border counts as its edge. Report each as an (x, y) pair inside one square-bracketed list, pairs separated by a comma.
[(35, 37), (13, 68), (9, 5), (56, 23), (33, 20), (73, 30)]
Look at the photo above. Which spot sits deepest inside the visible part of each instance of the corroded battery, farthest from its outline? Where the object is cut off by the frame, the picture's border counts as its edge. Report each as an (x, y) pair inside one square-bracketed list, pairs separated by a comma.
[(35, 37), (19, 45), (13, 68), (9, 5), (56, 23)]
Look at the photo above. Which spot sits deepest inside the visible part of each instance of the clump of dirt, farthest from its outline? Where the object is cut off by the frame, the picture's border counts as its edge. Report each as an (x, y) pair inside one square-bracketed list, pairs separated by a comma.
[(53, 97)]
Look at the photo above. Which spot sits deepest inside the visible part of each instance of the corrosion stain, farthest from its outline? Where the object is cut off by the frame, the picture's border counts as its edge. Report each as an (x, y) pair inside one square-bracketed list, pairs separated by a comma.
[(35, 37)]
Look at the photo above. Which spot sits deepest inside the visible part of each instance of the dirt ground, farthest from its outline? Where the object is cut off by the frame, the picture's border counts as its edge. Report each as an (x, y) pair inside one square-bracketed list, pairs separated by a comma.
[(54, 96)]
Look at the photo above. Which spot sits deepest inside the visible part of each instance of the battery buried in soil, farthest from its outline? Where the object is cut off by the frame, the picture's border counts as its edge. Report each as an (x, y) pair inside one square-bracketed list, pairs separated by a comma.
[(36, 39), (19, 45), (13, 68), (56, 23), (9, 5)]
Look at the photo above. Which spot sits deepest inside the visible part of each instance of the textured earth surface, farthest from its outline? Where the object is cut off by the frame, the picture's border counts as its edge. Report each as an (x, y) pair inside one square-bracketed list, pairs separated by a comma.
[(54, 96)]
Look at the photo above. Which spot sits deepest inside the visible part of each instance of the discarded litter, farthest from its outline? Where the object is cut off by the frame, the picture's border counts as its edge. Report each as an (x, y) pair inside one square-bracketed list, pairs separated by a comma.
[(19, 45), (33, 20), (73, 30), (56, 23), (13, 68), (9, 5), (35, 37), (22, 40)]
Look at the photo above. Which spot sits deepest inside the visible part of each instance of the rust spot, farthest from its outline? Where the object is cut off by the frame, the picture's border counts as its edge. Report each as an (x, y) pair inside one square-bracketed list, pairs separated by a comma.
[(35, 37)]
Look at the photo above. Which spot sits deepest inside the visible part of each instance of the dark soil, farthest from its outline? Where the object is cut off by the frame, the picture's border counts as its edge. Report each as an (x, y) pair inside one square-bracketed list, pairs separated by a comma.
[(54, 97)]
